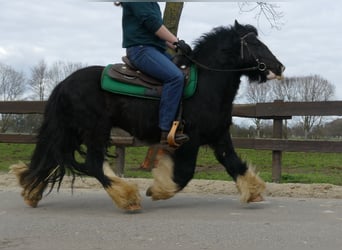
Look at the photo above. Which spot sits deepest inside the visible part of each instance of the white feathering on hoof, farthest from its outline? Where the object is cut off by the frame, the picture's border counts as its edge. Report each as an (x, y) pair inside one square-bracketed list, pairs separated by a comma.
[(163, 185), (124, 194), (31, 196), (250, 186), (18, 169)]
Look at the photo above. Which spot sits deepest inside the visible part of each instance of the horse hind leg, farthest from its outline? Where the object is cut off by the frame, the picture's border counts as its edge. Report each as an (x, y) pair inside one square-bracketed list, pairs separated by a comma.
[(31, 194), (125, 195)]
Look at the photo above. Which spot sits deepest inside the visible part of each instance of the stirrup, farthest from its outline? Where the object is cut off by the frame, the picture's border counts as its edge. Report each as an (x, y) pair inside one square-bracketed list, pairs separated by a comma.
[(173, 139)]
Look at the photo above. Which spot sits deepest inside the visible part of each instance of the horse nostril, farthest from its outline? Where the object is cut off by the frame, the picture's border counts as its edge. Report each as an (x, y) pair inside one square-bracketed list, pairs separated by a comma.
[(282, 68)]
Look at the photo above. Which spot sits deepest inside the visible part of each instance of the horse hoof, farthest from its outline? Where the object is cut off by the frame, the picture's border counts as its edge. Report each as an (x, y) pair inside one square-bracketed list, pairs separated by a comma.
[(258, 198), (133, 208), (31, 203)]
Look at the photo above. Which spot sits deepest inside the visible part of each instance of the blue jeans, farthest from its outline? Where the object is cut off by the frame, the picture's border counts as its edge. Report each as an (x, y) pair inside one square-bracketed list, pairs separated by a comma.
[(157, 64)]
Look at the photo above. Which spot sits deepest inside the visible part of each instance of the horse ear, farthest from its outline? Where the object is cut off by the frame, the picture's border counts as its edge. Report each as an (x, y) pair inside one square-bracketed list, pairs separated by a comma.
[(240, 29), (236, 24)]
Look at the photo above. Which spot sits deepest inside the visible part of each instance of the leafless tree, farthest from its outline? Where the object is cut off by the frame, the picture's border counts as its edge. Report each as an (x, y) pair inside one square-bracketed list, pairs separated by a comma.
[(38, 80), (306, 89), (12, 83), (263, 10), (285, 89), (59, 71), (333, 128), (312, 89), (256, 93), (43, 80), (12, 86), (267, 10)]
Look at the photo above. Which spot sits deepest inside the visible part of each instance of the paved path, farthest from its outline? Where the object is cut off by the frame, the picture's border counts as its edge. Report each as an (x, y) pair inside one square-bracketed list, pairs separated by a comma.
[(88, 220)]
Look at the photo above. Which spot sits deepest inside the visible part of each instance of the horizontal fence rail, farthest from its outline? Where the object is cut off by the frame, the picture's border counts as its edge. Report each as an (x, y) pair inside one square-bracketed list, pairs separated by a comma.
[(22, 107), (277, 111)]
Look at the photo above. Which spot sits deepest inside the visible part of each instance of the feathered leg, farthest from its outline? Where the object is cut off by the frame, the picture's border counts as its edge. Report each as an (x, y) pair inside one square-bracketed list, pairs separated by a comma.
[(174, 171), (249, 184), (32, 193)]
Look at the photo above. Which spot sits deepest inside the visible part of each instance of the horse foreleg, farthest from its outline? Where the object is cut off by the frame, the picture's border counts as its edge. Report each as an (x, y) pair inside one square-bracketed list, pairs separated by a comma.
[(163, 186), (125, 195), (249, 184), (173, 172)]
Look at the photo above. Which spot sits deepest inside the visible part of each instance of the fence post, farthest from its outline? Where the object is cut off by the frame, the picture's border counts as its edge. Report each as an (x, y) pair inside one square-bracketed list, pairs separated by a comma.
[(120, 160), (277, 154)]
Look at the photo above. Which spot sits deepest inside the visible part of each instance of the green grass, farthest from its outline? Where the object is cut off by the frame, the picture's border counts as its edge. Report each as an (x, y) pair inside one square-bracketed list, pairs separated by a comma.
[(12, 153), (297, 167)]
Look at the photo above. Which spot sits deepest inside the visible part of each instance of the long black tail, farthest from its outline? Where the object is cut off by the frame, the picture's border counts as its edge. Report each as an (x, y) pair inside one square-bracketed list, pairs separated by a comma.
[(57, 142)]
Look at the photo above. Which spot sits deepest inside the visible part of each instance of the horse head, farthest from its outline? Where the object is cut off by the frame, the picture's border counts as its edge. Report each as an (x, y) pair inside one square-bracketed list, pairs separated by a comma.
[(238, 50), (255, 54)]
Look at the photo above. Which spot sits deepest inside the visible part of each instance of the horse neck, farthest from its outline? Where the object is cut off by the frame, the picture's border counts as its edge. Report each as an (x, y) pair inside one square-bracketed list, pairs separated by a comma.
[(220, 63), (221, 86), (218, 50)]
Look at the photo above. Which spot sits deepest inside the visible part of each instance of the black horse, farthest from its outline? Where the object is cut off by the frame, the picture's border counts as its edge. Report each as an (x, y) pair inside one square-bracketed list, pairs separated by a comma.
[(79, 116)]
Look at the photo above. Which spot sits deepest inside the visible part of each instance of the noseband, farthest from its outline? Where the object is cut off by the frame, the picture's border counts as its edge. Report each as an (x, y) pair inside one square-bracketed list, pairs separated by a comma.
[(260, 65)]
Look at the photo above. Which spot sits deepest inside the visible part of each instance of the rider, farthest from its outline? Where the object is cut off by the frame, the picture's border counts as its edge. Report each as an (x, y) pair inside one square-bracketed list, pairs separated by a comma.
[(146, 40)]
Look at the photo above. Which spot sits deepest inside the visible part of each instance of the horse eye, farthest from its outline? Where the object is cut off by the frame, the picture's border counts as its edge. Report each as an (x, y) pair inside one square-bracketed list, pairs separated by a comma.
[(254, 41)]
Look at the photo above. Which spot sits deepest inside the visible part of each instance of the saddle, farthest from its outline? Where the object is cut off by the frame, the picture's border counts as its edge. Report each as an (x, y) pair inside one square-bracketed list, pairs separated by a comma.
[(127, 73)]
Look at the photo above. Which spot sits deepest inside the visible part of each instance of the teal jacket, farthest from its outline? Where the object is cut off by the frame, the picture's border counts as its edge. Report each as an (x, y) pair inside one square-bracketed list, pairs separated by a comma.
[(140, 21)]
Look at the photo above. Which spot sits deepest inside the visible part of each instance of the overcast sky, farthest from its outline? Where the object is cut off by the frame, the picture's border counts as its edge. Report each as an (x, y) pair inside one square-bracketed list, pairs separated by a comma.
[(309, 41)]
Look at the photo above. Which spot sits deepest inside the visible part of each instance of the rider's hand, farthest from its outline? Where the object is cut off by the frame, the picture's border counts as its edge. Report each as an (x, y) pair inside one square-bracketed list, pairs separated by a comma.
[(183, 47)]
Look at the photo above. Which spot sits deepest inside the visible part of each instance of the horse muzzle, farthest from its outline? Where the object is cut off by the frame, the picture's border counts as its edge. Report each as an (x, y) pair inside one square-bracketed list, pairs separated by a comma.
[(271, 75)]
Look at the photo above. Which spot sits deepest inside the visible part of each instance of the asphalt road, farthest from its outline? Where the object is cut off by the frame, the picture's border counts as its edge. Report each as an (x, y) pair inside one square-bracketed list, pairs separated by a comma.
[(87, 219)]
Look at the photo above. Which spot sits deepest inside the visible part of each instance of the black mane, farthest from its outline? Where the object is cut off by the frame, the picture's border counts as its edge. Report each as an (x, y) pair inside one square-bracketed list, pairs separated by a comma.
[(221, 44)]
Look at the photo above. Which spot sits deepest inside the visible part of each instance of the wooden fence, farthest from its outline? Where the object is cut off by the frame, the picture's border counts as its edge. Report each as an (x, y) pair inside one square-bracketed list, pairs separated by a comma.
[(277, 111)]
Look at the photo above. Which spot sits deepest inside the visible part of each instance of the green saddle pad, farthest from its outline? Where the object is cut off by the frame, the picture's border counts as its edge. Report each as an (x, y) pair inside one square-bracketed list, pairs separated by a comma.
[(117, 87)]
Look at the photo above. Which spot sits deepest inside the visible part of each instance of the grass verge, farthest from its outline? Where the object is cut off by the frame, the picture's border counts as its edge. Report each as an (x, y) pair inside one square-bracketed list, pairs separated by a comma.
[(297, 167)]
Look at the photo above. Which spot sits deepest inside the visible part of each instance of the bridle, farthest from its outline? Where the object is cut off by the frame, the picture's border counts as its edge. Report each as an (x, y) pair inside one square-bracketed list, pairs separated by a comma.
[(259, 65)]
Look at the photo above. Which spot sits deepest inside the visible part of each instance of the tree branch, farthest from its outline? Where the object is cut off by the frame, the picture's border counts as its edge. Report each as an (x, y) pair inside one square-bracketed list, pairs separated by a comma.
[(269, 11)]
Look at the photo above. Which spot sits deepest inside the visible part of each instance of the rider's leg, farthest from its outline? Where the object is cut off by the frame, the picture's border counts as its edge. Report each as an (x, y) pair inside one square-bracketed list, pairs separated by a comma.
[(157, 64)]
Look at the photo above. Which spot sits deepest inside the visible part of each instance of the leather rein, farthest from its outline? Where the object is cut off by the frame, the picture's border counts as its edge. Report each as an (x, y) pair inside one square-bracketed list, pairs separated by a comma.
[(260, 65)]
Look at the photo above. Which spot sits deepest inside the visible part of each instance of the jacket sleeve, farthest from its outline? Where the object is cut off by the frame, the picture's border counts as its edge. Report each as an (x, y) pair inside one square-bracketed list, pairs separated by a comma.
[(148, 13)]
